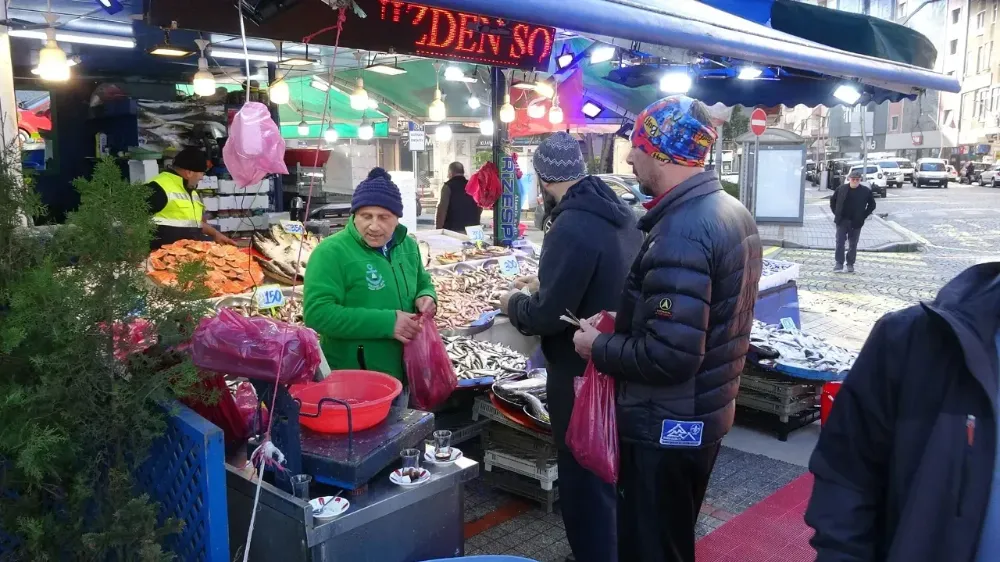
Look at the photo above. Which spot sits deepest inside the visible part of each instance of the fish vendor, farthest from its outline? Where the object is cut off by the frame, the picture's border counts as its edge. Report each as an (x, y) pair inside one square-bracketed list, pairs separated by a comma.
[(366, 284), (177, 209)]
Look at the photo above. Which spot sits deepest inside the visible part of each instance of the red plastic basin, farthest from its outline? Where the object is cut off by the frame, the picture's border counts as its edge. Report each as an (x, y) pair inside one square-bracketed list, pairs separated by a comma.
[(369, 393), (827, 397)]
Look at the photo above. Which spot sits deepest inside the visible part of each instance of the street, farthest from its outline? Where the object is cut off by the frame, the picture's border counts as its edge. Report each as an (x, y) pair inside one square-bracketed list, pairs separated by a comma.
[(959, 226)]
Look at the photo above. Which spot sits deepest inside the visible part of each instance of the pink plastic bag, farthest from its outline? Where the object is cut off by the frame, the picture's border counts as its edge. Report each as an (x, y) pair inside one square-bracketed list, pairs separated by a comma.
[(247, 402), (255, 147), (428, 367), (252, 347), (592, 435)]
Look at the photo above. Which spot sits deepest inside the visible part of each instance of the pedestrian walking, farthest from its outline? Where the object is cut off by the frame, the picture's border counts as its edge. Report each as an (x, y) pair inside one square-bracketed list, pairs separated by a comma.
[(682, 332), (852, 203), (583, 265), (457, 209), (906, 468)]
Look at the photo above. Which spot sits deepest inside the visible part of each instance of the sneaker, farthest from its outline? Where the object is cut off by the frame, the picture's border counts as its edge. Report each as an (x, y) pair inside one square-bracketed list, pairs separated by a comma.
[(838, 268), (850, 269)]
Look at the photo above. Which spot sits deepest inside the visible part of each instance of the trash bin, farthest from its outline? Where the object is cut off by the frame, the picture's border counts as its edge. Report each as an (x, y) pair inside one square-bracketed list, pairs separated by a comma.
[(826, 397)]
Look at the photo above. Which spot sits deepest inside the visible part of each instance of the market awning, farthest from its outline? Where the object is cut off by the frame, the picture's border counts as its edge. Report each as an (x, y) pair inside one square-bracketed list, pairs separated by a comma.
[(691, 25), (854, 33)]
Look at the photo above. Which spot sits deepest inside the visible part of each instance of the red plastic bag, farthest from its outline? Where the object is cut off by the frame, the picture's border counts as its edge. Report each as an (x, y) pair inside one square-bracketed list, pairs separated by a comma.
[(224, 413), (249, 405), (253, 347), (592, 435), (484, 186), (428, 367)]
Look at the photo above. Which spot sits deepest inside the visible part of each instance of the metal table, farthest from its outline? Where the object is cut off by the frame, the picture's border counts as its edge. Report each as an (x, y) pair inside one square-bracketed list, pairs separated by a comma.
[(386, 523)]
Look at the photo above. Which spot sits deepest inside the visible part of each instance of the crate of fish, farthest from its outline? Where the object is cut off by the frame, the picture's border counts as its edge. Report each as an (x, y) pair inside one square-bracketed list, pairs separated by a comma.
[(480, 362), (483, 408), (756, 380), (768, 404), (510, 439), (538, 468), (522, 486), (799, 354), (776, 273)]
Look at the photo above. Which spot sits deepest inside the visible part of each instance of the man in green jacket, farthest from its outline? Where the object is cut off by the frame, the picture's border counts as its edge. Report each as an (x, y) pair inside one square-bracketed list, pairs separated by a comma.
[(365, 285)]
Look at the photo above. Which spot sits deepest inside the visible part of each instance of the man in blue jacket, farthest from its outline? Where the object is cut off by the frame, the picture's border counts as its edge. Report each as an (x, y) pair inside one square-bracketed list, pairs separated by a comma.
[(681, 334), (582, 269), (907, 465)]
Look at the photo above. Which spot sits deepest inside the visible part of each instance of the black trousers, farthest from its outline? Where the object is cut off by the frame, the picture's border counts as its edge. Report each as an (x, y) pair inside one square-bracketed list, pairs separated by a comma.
[(846, 233), (588, 510), (660, 497)]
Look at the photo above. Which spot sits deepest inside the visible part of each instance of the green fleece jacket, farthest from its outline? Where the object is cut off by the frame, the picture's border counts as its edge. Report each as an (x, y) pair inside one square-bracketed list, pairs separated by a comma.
[(352, 293)]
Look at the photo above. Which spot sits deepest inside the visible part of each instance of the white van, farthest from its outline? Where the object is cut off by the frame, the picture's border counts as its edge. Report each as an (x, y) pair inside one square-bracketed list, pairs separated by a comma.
[(931, 172)]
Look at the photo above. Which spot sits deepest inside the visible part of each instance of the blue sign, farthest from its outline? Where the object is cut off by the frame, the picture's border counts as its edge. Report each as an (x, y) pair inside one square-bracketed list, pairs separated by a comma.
[(508, 202), (675, 433)]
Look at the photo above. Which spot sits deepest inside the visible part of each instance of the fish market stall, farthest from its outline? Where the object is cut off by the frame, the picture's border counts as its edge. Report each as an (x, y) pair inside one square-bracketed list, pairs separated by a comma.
[(778, 295), (786, 370)]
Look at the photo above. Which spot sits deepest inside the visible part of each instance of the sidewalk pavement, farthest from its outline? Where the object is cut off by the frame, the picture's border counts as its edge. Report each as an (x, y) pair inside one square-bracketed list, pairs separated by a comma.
[(818, 232)]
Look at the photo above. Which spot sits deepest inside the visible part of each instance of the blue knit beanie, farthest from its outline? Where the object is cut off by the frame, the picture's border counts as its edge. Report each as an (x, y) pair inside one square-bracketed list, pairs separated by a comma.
[(378, 191), (559, 159)]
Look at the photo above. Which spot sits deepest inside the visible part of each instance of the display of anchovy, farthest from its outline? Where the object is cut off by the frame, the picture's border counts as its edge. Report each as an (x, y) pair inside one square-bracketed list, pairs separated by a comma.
[(282, 249), (290, 312), (799, 349), (772, 266), (473, 359), (464, 296)]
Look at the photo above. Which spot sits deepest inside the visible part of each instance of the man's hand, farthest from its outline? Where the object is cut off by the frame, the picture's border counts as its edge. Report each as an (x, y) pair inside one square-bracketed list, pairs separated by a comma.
[(530, 281), (221, 238), (426, 306), (407, 327), (584, 338), (505, 301), (593, 320)]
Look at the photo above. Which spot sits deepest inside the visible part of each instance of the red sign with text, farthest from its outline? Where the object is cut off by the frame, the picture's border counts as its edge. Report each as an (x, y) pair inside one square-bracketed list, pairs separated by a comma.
[(758, 121), (408, 27)]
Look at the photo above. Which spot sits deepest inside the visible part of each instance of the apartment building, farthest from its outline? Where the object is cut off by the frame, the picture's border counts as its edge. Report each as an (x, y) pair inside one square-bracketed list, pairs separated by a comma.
[(979, 110)]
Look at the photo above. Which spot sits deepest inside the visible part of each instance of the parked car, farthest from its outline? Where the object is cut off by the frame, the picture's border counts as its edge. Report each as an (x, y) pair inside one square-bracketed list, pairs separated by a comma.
[(987, 176), (811, 173), (837, 168), (893, 174), (33, 121), (981, 172), (952, 173), (931, 171), (906, 167), (626, 186), (873, 178)]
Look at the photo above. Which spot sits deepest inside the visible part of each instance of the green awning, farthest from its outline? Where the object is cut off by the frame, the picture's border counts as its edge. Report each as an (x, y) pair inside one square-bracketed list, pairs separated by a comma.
[(306, 103)]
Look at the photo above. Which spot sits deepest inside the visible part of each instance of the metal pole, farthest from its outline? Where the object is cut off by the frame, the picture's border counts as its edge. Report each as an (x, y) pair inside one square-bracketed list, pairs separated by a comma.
[(498, 86), (864, 143), (756, 174), (718, 152)]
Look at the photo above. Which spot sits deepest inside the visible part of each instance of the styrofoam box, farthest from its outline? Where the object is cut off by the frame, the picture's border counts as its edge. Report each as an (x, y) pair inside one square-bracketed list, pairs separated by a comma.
[(234, 224), (209, 182), (211, 203), (229, 187), (243, 201), (790, 273)]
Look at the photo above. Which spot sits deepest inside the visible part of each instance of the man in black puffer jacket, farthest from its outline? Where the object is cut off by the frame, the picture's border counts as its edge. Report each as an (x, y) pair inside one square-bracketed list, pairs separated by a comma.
[(582, 269), (681, 334)]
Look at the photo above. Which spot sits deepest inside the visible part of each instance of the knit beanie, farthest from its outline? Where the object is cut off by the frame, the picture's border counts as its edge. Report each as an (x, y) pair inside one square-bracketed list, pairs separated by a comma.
[(191, 159), (559, 159), (378, 191)]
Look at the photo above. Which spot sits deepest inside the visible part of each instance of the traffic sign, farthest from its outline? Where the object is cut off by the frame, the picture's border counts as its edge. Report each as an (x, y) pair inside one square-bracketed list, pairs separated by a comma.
[(758, 121)]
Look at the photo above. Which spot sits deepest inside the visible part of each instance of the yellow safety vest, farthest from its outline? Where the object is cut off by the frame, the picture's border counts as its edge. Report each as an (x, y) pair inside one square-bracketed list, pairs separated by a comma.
[(184, 209)]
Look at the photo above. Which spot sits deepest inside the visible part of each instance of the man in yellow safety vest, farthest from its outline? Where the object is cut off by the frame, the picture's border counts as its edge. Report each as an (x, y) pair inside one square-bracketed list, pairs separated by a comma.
[(177, 209)]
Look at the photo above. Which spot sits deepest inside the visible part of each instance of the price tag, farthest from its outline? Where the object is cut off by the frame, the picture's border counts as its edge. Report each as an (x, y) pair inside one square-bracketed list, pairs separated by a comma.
[(788, 324), (521, 243), (509, 266), (293, 227), (269, 296), (475, 233)]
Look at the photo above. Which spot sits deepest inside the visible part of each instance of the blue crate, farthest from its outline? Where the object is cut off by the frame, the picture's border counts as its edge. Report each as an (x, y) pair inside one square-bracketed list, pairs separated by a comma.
[(186, 474)]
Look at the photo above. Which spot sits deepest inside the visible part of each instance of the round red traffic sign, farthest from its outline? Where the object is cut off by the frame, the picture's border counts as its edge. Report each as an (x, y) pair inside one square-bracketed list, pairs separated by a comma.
[(758, 121)]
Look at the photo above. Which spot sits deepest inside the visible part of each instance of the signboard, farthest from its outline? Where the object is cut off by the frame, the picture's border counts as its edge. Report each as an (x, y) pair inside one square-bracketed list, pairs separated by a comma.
[(293, 227), (269, 296), (508, 202), (758, 121), (917, 138), (475, 233), (417, 141), (509, 267)]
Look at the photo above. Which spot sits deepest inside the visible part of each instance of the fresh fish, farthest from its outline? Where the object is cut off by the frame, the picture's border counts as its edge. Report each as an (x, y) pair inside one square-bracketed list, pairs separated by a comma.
[(477, 359), (771, 267), (799, 349), (534, 407)]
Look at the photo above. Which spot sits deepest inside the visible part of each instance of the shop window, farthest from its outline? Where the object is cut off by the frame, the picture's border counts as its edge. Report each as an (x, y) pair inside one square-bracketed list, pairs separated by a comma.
[(34, 127), (895, 122)]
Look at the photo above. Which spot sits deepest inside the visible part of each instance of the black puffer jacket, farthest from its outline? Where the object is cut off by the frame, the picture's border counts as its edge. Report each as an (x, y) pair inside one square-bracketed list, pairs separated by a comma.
[(683, 326)]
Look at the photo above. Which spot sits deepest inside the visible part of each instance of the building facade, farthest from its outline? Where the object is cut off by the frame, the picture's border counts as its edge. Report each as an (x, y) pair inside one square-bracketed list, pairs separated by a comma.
[(979, 109)]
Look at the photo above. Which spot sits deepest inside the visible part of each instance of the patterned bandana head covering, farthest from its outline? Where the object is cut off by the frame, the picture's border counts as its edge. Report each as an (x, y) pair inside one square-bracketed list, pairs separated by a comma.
[(668, 131)]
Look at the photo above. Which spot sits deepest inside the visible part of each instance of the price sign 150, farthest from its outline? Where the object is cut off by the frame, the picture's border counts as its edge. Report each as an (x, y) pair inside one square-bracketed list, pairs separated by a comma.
[(269, 296)]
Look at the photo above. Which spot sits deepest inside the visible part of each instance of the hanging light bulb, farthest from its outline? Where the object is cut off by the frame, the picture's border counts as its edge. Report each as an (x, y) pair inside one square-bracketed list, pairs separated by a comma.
[(365, 131), (359, 97), (536, 111), (330, 135), (278, 92), (474, 102), (303, 128), (486, 127), (203, 82), (443, 133), (507, 113), (555, 112), (52, 63), (437, 111)]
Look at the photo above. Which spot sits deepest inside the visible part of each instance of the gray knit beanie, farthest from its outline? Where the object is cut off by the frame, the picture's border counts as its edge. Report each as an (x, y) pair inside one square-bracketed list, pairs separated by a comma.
[(559, 159)]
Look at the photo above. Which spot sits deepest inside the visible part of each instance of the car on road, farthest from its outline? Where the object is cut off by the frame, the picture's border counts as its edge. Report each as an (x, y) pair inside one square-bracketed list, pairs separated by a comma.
[(873, 178), (626, 186), (906, 167), (981, 172), (893, 174), (987, 176), (931, 172), (952, 173)]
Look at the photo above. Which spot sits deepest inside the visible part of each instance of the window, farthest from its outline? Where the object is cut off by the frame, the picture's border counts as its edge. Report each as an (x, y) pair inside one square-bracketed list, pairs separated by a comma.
[(980, 21), (932, 166), (947, 118), (982, 96), (951, 73), (895, 122), (901, 10), (848, 114), (953, 46), (995, 6), (979, 58), (987, 49), (956, 14)]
